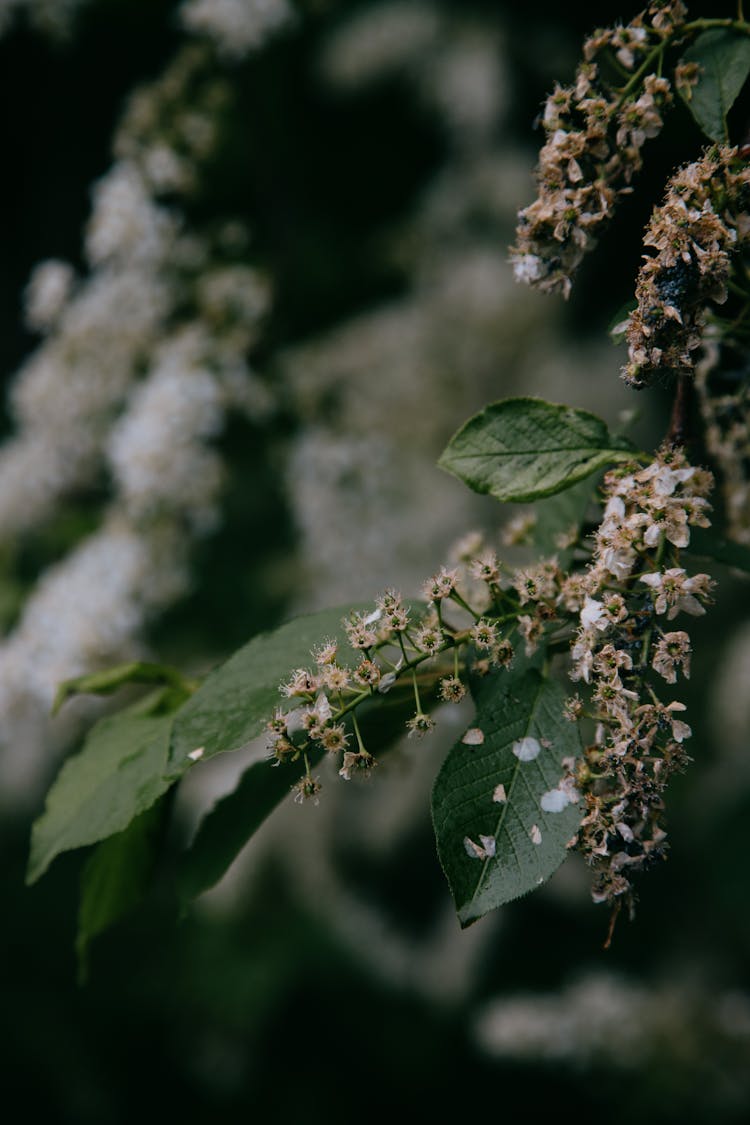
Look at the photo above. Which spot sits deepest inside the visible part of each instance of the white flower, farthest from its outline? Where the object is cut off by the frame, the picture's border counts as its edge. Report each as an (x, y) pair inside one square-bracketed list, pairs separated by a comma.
[(236, 26), (594, 613), (47, 293)]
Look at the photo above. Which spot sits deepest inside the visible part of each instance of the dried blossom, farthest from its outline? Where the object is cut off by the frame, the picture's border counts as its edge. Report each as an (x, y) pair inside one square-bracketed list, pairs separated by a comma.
[(595, 135), (703, 222), (637, 743)]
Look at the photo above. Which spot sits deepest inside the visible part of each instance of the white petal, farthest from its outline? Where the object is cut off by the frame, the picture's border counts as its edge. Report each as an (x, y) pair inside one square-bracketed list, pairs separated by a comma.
[(555, 800), (526, 749), (535, 834), (322, 708), (294, 720), (473, 737), (475, 851), (498, 795), (591, 612)]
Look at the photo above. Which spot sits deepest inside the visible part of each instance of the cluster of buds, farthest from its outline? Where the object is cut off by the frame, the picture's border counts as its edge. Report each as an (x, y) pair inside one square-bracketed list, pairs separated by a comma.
[(394, 640), (628, 597), (722, 380), (703, 222), (595, 134)]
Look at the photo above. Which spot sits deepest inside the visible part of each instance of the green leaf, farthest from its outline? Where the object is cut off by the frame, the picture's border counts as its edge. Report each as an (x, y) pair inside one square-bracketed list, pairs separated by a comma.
[(230, 824), (232, 821), (521, 449), (119, 773), (114, 880), (706, 544), (724, 59), (466, 803), (110, 679), (233, 704), (559, 515)]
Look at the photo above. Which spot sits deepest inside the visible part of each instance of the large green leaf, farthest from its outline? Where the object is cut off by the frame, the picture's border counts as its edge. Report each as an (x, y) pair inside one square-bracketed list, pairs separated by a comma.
[(723, 56), (232, 821), (521, 449), (115, 879), (118, 774), (111, 679), (560, 515), (234, 702), (469, 809), (230, 824)]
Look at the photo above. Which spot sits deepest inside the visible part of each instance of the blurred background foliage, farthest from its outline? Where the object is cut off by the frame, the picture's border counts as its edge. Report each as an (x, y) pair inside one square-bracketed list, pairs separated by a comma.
[(378, 153)]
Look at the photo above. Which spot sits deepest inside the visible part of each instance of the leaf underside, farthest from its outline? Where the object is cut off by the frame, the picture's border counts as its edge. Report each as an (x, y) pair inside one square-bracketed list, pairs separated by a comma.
[(227, 827), (724, 60), (114, 880), (119, 773)]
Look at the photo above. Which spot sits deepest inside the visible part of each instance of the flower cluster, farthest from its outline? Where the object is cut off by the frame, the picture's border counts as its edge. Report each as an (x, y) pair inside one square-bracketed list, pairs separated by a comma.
[(618, 604), (704, 220), (138, 365), (394, 641), (236, 26), (630, 597), (595, 134)]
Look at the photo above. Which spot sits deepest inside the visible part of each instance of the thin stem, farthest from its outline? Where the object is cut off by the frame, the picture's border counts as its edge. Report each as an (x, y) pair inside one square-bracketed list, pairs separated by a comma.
[(739, 24), (639, 73), (417, 700), (657, 52), (679, 423), (358, 734), (456, 597), (616, 907)]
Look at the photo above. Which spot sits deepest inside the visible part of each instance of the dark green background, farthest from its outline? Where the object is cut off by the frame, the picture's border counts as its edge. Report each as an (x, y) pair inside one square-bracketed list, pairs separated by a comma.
[(263, 1015)]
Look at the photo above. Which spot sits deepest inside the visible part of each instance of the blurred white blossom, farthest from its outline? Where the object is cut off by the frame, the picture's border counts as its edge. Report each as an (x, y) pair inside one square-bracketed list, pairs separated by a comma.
[(605, 1018), (140, 361), (236, 26)]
